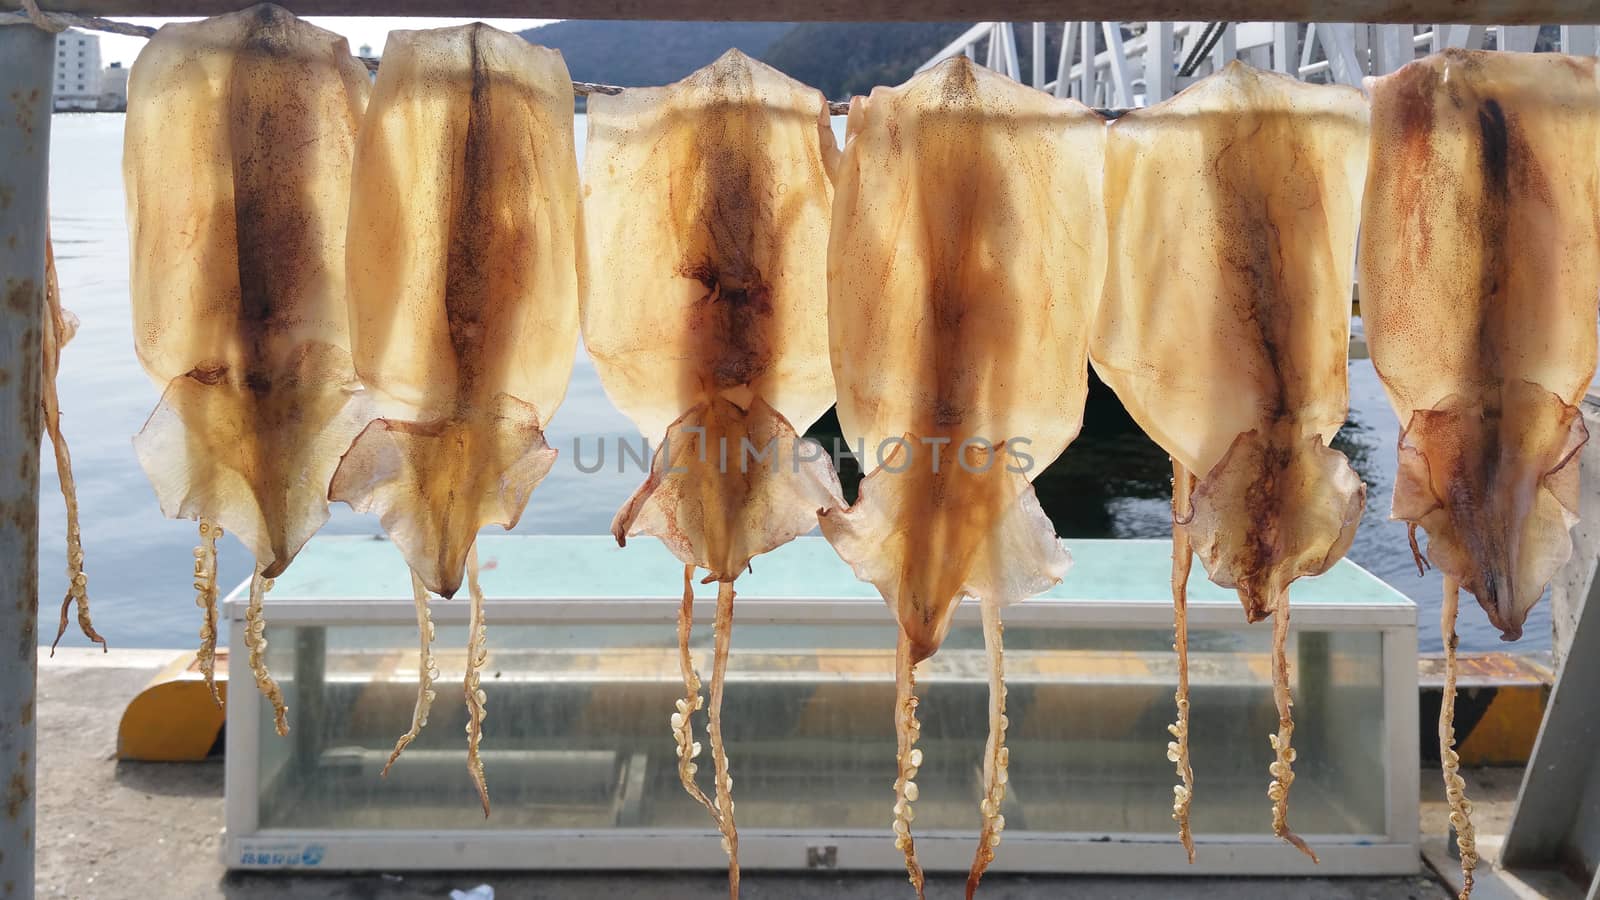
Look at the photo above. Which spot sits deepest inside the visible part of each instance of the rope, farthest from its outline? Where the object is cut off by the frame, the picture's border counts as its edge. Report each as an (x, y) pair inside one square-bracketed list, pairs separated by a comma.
[(39, 19), (56, 22)]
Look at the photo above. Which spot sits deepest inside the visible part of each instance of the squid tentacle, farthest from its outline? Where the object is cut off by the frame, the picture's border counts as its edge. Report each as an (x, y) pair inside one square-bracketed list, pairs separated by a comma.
[(205, 585), (255, 640), (908, 758), (427, 672), (998, 756), (721, 636), (477, 655), (1455, 788), (682, 719), (1282, 767), (58, 331), (1182, 559)]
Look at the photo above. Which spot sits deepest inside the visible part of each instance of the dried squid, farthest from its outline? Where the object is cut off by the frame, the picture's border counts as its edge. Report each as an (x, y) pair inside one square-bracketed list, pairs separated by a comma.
[(706, 206), (1224, 330), (966, 254), (464, 309), (1480, 268), (237, 164), (60, 329)]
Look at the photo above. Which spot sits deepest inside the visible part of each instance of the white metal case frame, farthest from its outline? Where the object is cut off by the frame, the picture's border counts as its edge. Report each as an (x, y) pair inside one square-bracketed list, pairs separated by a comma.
[(247, 846)]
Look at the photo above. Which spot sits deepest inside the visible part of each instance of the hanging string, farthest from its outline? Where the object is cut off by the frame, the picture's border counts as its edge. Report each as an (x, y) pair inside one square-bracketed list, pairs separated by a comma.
[(39, 20), (55, 22)]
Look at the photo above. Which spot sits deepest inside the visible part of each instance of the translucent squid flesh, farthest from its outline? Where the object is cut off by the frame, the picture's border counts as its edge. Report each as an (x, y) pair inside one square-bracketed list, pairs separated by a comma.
[(706, 213), (1224, 330), (1480, 269), (237, 277), (57, 332), (967, 250), (464, 308)]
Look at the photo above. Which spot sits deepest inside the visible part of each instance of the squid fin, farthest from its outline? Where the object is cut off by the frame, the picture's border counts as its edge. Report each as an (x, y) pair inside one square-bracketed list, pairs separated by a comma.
[(1497, 492), (1277, 506), (728, 484), (926, 534), (434, 484), (254, 461)]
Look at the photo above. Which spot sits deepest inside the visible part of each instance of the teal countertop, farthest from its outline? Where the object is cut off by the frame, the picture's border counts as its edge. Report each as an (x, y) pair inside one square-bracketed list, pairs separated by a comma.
[(594, 567)]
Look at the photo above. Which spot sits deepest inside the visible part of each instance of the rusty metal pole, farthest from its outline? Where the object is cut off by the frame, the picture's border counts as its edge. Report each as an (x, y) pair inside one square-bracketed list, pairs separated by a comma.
[(26, 60)]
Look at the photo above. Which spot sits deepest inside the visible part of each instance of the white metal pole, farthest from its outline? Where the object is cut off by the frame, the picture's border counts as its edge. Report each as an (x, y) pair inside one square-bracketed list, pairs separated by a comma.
[(1579, 40), (1069, 39), (1038, 55), (1285, 37), (1086, 82), (26, 55), (1520, 38), (1158, 62)]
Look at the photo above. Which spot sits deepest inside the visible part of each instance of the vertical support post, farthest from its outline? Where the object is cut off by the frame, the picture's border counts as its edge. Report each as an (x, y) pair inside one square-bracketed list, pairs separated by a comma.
[(26, 61), (1520, 38), (1339, 43), (310, 696), (1069, 41), (1393, 46), (1121, 78), (1307, 47), (1086, 81), (1038, 55), (1285, 35), (1578, 40), (1008, 52), (1227, 49), (1468, 37), (1159, 71), (992, 59)]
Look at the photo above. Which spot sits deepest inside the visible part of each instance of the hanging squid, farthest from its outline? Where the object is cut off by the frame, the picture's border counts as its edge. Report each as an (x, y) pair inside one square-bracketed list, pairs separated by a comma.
[(58, 330), (1480, 269), (706, 209), (464, 310), (967, 251), (1224, 329), (237, 165)]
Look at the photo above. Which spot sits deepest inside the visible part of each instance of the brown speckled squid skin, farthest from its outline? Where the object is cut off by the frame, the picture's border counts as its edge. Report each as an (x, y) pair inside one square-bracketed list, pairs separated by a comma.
[(1480, 269), (237, 166), (967, 250), (1225, 326), (1232, 210), (706, 210), (464, 309)]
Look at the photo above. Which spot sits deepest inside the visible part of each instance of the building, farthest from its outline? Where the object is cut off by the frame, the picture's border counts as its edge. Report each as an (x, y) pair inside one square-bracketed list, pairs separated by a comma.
[(77, 77), (114, 88)]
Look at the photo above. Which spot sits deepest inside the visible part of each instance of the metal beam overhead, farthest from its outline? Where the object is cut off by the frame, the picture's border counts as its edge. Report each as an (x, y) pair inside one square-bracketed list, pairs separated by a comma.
[(1492, 12)]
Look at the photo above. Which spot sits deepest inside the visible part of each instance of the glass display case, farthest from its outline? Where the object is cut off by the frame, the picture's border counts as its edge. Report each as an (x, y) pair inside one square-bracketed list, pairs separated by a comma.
[(583, 673)]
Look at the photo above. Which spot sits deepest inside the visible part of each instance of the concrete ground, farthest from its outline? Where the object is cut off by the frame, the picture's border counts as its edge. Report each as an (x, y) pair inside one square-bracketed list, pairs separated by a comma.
[(149, 831)]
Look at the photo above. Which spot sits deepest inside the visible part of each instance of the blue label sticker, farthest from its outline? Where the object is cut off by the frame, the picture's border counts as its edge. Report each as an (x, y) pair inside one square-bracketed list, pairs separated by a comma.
[(285, 855)]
